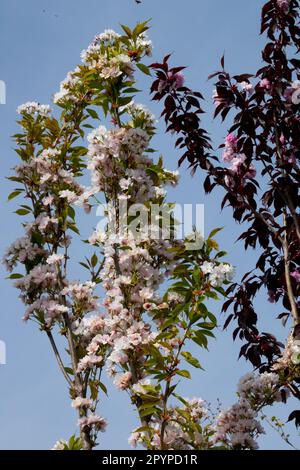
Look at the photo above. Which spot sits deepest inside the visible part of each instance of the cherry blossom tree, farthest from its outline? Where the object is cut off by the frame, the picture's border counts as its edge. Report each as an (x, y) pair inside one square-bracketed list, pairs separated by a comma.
[(145, 299)]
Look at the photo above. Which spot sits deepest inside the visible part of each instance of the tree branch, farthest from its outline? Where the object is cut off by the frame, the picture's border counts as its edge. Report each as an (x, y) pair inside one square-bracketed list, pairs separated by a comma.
[(58, 358)]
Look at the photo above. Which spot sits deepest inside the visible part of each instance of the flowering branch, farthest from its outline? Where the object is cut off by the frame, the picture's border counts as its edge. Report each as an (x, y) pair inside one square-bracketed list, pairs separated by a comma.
[(143, 328)]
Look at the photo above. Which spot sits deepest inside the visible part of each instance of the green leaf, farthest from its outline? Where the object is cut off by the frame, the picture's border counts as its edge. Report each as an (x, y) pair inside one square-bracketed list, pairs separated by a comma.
[(74, 443), (207, 333), (94, 389), (191, 360), (94, 260), (182, 400), (214, 232), (202, 309), (84, 265), (146, 406), (103, 388), (142, 429), (71, 212), (131, 90), (185, 414), (148, 412), (140, 28), (200, 339), (73, 228), (167, 323), (22, 211), (15, 276), (194, 317), (143, 68), (212, 295), (184, 373), (207, 325), (127, 30), (14, 194), (93, 113), (14, 178), (124, 101)]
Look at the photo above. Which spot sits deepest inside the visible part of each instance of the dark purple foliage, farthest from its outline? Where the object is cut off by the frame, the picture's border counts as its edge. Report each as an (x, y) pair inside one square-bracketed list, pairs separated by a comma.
[(262, 185)]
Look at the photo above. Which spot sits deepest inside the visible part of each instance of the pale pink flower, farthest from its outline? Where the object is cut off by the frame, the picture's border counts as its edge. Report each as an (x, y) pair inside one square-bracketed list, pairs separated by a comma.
[(88, 362), (296, 275), (47, 201), (292, 93), (265, 83), (80, 402), (123, 381), (70, 196), (93, 420), (55, 258), (178, 78)]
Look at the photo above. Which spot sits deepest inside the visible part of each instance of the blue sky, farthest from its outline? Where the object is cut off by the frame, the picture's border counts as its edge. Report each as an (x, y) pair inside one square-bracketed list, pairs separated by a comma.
[(41, 41)]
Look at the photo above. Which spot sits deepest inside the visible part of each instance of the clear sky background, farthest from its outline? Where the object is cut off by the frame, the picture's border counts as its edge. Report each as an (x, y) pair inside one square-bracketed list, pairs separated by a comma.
[(41, 41)]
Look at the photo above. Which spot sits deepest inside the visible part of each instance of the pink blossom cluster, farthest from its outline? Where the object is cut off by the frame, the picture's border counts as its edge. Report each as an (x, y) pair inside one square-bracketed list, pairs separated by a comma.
[(93, 421), (49, 308), (61, 444), (126, 295), (290, 356), (142, 115), (82, 296), (217, 273), (260, 388), (238, 427), (292, 93), (173, 82), (109, 58), (21, 250), (68, 88), (53, 178), (123, 381), (239, 166), (177, 434), (42, 287), (231, 149), (246, 86), (80, 402), (42, 277), (50, 178), (134, 267), (117, 163), (41, 292), (265, 84), (33, 108), (112, 58)]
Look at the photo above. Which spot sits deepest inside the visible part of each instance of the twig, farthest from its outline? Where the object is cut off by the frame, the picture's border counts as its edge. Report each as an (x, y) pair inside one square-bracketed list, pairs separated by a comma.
[(58, 358), (287, 271)]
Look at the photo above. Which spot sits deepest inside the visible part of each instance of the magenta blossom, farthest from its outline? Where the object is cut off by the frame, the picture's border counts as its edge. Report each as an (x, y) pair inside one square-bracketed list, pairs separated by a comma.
[(292, 93), (296, 275), (231, 139), (177, 79), (173, 82), (230, 147), (284, 5), (265, 83)]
